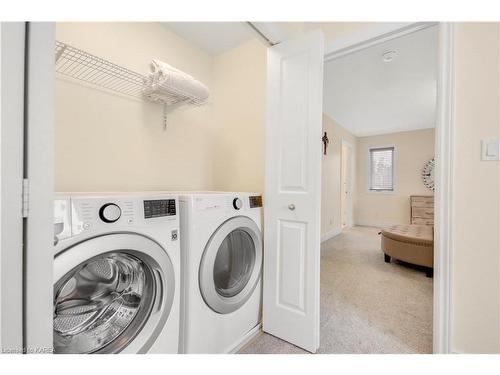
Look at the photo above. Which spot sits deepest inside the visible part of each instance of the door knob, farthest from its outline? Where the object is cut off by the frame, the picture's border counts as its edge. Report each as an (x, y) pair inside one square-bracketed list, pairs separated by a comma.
[(291, 207)]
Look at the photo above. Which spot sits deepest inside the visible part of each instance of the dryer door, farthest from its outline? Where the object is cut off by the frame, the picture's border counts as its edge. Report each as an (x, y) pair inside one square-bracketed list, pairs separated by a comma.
[(231, 265), (112, 293)]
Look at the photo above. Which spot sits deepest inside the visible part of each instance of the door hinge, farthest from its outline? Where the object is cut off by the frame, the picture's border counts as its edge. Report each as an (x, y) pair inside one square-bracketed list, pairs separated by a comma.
[(26, 189)]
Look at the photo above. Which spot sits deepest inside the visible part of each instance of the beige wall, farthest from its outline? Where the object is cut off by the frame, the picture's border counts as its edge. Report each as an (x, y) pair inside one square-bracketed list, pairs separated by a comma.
[(412, 150), (109, 143), (239, 114), (331, 169), (475, 271), (105, 142)]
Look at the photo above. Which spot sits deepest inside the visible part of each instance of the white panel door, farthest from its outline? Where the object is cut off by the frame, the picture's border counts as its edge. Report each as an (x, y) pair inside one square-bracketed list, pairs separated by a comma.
[(293, 190)]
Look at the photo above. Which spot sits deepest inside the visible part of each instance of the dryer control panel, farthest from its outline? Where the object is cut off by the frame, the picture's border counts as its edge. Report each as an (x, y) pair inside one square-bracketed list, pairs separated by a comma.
[(255, 201), (228, 202)]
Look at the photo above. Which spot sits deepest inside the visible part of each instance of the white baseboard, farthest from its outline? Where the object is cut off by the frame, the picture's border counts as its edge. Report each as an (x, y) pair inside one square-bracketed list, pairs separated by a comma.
[(246, 339), (334, 232), (376, 224)]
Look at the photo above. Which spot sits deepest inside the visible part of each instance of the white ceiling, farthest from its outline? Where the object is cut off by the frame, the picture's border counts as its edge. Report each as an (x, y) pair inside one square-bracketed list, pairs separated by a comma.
[(368, 96), (213, 37)]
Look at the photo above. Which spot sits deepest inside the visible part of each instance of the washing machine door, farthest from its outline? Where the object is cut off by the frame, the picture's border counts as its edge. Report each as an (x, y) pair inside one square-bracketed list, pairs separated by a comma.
[(231, 265), (112, 293)]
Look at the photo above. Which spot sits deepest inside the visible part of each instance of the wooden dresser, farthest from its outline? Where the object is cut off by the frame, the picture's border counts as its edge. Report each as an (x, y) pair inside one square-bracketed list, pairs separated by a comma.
[(422, 209)]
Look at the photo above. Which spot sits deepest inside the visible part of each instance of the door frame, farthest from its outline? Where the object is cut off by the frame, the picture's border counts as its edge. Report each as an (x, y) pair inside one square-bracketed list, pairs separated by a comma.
[(444, 151), (39, 172), (12, 58), (351, 182)]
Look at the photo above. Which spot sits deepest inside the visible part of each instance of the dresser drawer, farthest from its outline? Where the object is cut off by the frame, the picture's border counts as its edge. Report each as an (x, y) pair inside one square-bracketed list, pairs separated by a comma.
[(422, 209), (422, 201), (422, 204), (422, 212), (422, 221)]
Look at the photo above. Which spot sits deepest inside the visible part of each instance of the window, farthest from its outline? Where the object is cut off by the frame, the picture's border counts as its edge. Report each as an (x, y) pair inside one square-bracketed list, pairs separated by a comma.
[(382, 169)]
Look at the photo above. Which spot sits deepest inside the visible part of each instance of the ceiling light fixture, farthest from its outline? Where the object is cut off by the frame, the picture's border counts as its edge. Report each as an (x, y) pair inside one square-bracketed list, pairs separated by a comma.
[(388, 56)]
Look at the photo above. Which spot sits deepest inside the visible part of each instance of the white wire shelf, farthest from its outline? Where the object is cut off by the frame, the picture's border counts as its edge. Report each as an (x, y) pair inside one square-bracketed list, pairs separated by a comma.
[(90, 69), (85, 67)]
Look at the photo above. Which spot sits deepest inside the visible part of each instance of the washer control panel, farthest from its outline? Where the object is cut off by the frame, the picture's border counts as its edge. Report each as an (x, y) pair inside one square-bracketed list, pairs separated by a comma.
[(110, 212), (159, 208), (74, 215)]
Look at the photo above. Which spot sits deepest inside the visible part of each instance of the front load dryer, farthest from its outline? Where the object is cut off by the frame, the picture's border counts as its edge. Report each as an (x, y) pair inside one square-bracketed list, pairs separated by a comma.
[(221, 251), (116, 274)]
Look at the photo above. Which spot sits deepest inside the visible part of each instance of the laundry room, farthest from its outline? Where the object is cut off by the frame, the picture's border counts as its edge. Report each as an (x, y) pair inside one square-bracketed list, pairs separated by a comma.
[(142, 111), (107, 141), (179, 187)]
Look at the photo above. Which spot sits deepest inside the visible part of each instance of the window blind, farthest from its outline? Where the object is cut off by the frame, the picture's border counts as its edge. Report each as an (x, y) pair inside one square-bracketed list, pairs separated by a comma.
[(382, 169)]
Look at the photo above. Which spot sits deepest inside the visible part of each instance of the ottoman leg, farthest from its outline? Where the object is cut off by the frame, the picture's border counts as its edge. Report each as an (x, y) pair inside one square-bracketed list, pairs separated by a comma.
[(387, 258), (429, 272)]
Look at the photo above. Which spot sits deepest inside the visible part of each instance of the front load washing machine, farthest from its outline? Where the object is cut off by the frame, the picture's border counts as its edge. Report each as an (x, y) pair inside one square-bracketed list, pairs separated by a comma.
[(116, 274), (221, 251)]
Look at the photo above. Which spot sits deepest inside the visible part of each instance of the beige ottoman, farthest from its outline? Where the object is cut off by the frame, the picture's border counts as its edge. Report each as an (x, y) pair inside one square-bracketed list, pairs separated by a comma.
[(410, 243)]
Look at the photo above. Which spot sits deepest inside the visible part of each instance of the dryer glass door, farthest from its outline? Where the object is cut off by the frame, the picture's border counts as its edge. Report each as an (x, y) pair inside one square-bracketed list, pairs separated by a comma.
[(231, 264), (234, 263)]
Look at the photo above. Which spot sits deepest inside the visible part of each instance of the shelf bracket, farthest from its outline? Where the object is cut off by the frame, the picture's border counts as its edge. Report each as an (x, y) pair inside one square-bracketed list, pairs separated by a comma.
[(60, 51), (169, 108), (165, 115)]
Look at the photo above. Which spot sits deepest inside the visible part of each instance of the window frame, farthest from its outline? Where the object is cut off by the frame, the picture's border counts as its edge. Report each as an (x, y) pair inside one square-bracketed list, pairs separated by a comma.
[(369, 169)]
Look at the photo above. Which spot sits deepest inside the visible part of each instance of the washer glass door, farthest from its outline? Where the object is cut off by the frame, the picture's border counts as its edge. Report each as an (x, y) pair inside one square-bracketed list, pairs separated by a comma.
[(111, 293), (231, 264), (100, 299)]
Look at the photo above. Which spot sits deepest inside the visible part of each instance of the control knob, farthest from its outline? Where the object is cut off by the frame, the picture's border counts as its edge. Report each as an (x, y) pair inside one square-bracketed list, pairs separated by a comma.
[(237, 203), (110, 212)]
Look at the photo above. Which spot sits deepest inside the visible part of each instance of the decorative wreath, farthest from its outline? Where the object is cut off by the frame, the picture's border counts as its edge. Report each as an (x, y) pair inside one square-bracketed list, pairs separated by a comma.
[(428, 174)]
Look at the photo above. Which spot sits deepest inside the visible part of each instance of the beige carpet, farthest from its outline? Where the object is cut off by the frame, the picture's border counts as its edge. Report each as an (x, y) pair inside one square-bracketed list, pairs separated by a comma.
[(367, 305)]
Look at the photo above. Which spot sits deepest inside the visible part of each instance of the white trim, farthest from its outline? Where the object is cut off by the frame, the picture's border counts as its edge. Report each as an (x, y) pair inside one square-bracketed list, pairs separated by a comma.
[(39, 154), (330, 234), (498, 108), (12, 42), (443, 245), (269, 32), (372, 36), (249, 336), (374, 224), (391, 131), (348, 144)]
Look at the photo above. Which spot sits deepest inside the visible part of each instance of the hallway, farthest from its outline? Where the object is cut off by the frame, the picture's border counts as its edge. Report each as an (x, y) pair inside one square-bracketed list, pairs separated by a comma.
[(367, 305)]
